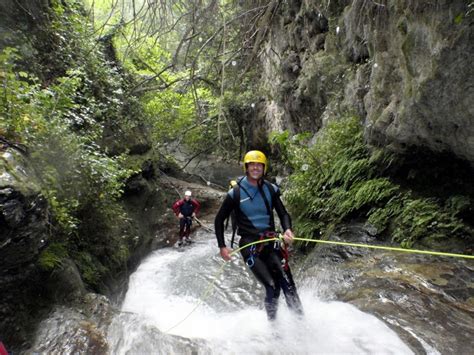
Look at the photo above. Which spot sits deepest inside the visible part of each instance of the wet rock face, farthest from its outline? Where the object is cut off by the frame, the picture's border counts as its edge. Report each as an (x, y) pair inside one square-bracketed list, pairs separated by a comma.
[(402, 66), (23, 231), (427, 300), (293, 75), (419, 96), (22, 222), (75, 330)]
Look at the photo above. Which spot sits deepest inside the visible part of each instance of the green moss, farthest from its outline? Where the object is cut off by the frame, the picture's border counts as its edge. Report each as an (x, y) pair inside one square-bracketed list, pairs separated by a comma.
[(402, 25), (425, 218), (338, 178), (458, 19), (408, 47), (90, 268), (60, 105), (53, 256)]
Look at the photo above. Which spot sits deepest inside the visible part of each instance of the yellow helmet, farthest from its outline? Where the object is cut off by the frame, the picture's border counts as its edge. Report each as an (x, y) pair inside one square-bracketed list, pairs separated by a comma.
[(255, 156)]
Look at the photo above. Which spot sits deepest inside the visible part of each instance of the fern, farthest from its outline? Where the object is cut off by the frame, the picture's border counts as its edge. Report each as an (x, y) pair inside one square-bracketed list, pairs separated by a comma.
[(52, 257), (337, 178)]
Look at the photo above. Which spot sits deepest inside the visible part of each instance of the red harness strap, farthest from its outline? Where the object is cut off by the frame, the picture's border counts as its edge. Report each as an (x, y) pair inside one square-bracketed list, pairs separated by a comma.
[(278, 245), (286, 256)]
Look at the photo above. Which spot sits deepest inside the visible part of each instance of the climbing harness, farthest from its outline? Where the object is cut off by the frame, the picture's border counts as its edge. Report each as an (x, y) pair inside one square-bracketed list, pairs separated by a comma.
[(265, 238), (284, 252), (256, 250), (251, 259)]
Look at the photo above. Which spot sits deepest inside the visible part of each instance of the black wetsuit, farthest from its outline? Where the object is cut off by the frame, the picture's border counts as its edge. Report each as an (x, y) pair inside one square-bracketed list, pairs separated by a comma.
[(265, 260)]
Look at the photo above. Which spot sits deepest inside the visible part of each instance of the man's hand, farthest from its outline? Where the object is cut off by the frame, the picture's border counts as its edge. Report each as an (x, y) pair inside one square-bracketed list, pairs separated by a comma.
[(193, 215), (288, 237), (180, 215), (225, 253)]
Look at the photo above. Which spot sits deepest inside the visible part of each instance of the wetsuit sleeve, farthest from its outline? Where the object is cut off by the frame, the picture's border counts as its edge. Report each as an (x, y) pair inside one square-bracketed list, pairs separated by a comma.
[(197, 206), (285, 218), (223, 213)]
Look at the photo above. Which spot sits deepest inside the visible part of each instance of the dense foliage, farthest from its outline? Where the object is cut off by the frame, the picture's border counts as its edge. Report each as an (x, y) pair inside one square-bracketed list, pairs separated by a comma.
[(189, 59), (88, 85), (59, 108), (337, 179)]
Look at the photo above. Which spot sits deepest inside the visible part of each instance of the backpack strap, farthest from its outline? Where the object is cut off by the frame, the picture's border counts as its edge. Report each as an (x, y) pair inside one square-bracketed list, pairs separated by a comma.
[(265, 200), (236, 198), (271, 189)]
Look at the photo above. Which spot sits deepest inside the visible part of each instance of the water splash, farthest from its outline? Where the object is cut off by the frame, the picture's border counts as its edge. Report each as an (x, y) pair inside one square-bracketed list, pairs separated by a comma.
[(168, 285)]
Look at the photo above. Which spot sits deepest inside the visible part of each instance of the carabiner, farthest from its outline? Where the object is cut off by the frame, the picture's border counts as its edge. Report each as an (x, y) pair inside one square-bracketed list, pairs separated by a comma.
[(279, 242), (276, 245)]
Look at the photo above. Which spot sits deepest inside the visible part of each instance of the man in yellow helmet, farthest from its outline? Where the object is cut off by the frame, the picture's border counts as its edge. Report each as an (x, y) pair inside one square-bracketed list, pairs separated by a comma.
[(253, 200)]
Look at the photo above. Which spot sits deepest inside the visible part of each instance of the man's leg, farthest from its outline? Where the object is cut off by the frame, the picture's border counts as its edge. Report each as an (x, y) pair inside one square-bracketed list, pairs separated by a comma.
[(182, 225), (272, 289), (188, 228), (286, 282), (262, 273)]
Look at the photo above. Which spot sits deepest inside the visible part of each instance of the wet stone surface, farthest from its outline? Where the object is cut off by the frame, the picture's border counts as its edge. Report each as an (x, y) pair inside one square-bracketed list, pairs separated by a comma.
[(427, 300)]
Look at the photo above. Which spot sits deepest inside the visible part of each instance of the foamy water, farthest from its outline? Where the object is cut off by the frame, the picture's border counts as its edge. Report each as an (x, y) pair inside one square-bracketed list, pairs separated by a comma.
[(163, 313)]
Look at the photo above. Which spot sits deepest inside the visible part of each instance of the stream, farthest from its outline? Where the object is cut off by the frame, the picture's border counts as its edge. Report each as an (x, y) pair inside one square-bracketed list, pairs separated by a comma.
[(356, 301), (191, 302)]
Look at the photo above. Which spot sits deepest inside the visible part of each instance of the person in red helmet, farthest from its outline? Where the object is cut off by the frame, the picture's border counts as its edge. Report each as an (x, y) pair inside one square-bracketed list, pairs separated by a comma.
[(185, 209)]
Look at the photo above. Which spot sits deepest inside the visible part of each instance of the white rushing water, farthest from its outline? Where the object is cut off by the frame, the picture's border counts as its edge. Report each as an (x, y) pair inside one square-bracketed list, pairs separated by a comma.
[(168, 286)]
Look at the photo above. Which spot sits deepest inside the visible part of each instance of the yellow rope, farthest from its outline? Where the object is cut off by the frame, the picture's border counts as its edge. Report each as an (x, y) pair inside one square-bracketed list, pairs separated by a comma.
[(207, 291), (202, 298), (413, 251)]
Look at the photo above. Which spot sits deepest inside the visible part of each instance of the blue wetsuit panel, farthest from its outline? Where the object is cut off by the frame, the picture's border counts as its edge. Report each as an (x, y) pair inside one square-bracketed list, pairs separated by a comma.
[(253, 206)]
